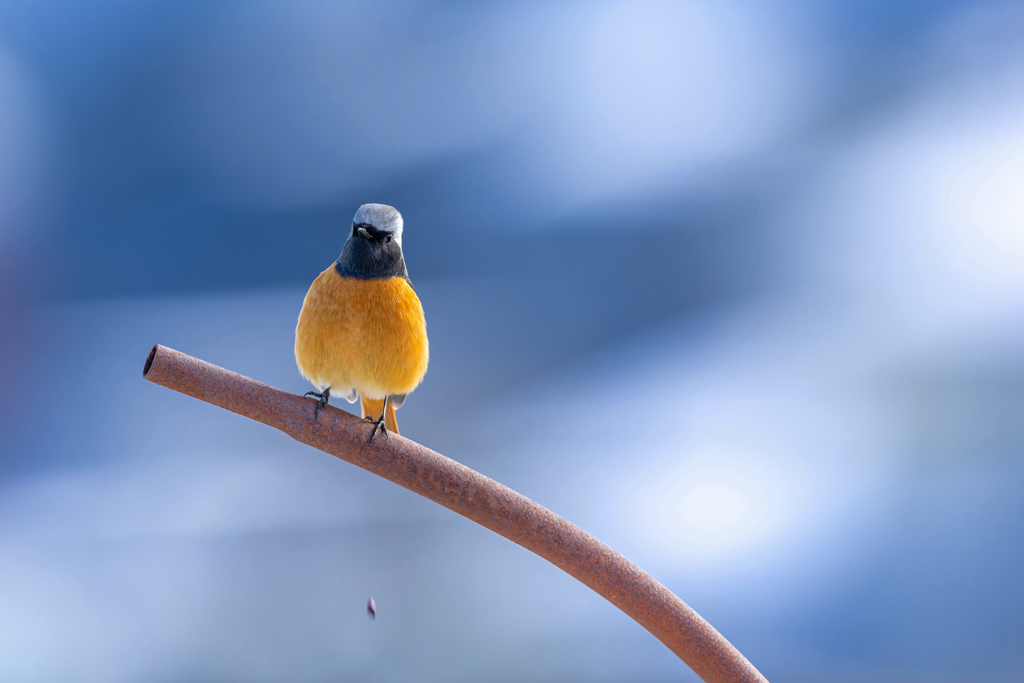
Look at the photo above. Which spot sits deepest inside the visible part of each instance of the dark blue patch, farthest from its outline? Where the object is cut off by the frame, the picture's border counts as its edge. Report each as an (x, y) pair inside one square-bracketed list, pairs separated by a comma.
[(377, 257)]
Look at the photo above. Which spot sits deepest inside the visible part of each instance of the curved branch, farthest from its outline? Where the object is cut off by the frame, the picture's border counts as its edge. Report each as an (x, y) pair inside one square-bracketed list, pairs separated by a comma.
[(472, 495)]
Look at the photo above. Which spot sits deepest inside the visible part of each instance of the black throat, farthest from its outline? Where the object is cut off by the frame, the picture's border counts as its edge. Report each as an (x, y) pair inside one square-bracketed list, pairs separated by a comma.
[(376, 258)]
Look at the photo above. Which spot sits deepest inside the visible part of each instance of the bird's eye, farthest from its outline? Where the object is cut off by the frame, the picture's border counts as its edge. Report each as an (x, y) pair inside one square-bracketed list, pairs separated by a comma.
[(388, 239)]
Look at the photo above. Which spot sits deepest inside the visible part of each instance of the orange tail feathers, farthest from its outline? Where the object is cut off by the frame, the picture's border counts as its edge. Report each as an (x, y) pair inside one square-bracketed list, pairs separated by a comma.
[(371, 408)]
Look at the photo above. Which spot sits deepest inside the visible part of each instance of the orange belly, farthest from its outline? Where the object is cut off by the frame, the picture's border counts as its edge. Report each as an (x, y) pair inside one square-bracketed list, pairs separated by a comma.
[(367, 335)]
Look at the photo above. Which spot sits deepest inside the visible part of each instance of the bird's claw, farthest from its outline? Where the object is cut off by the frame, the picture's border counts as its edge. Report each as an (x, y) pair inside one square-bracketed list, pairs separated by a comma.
[(377, 425), (322, 399)]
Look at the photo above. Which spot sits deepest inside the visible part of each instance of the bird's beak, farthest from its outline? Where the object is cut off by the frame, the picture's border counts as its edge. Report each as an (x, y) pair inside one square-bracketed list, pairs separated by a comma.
[(364, 233)]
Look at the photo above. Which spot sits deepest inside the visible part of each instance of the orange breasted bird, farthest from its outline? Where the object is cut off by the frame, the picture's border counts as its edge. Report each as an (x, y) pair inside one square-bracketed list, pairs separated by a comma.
[(361, 331)]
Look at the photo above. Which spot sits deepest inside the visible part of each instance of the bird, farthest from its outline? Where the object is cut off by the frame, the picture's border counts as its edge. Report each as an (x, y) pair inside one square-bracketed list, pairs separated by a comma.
[(371, 608), (361, 332)]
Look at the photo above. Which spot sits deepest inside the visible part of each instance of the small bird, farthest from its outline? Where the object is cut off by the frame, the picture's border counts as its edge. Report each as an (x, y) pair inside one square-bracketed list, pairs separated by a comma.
[(361, 331), (371, 608)]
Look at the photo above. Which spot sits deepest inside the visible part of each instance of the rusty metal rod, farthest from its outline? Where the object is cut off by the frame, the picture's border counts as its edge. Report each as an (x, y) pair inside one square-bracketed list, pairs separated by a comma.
[(473, 496)]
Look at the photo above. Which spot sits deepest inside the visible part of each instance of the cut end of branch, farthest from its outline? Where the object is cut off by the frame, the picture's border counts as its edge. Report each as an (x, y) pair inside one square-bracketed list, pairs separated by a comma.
[(149, 360)]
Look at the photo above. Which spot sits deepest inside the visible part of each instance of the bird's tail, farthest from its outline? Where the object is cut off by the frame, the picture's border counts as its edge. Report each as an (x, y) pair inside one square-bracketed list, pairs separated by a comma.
[(371, 408)]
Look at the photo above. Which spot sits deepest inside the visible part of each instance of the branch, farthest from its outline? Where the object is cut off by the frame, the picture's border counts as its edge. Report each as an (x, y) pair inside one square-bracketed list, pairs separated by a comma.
[(473, 496)]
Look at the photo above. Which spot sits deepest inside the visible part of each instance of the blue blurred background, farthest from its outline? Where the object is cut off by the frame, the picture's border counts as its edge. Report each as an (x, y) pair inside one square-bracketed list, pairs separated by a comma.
[(737, 287)]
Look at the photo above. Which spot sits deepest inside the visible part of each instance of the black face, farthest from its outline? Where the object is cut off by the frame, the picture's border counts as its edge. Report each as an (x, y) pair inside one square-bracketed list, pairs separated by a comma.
[(371, 254)]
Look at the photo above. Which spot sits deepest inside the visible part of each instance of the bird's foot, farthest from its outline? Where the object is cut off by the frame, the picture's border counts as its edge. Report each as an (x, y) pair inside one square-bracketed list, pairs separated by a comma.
[(377, 425), (322, 401)]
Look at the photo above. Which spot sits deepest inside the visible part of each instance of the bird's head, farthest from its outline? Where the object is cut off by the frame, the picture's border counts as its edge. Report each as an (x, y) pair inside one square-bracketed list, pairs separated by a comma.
[(378, 222), (374, 247)]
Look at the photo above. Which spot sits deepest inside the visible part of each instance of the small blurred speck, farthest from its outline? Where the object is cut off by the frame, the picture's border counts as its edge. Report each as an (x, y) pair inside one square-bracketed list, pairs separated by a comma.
[(371, 608)]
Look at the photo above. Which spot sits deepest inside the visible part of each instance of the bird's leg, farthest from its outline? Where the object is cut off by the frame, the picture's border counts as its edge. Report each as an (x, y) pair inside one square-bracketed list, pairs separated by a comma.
[(323, 397), (379, 424)]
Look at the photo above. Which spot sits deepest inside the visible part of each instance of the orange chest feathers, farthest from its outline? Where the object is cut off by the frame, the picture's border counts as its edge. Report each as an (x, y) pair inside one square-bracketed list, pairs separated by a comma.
[(367, 335)]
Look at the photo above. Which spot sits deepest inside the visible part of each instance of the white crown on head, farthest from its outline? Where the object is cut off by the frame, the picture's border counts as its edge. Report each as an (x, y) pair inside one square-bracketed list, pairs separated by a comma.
[(382, 217)]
